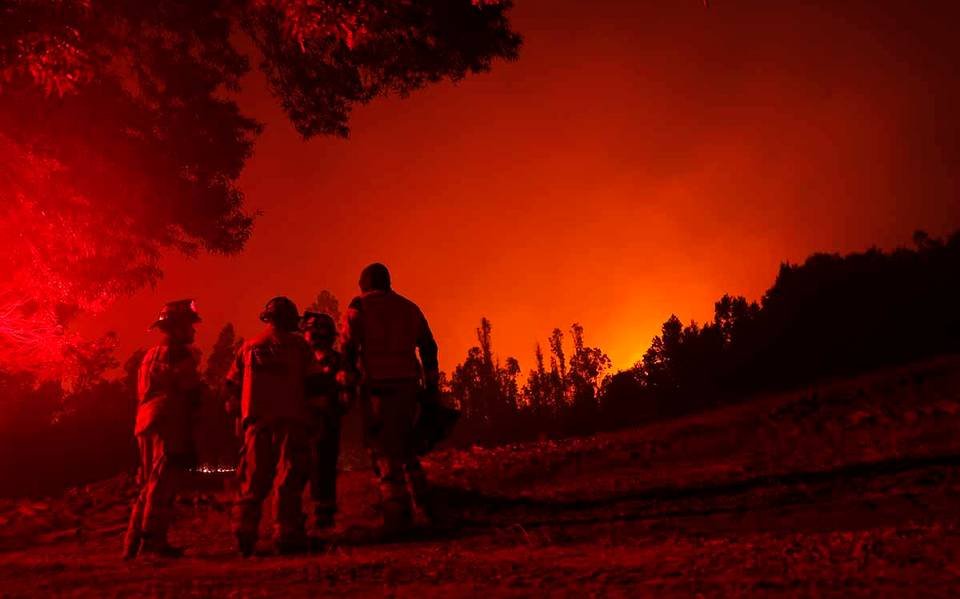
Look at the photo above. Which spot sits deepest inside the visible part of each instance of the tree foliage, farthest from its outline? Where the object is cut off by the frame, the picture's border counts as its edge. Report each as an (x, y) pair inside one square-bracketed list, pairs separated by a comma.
[(830, 316), (222, 356), (322, 58), (485, 391), (326, 303), (120, 137), (497, 406)]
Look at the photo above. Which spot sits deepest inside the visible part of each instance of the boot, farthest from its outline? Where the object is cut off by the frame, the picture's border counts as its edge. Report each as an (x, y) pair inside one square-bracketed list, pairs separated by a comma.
[(324, 519), (134, 535), (159, 547), (397, 519), (131, 543), (395, 503), (433, 510), (246, 543), (293, 544), (421, 492)]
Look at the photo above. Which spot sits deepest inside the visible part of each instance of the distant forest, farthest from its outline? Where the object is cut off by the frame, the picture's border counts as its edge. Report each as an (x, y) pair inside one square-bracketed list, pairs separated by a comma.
[(832, 315)]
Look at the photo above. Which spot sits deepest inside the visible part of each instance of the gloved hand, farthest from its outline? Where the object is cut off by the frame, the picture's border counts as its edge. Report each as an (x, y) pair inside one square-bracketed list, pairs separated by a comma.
[(232, 406), (346, 378), (431, 388), (195, 398), (346, 400)]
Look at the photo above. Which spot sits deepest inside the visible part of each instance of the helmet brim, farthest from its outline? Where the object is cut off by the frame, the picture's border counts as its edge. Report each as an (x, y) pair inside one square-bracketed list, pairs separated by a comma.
[(161, 322)]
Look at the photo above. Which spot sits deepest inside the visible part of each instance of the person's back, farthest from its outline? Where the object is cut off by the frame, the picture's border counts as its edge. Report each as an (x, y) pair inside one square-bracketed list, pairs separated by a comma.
[(392, 329), (167, 384), (327, 401), (383, 334), (269, 377), (168, 395), (270, 371)]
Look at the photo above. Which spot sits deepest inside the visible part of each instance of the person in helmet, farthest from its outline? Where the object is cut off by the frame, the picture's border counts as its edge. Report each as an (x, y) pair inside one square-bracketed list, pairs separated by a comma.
[(267, 383), (383, 334), (327, 401), (169, 389)]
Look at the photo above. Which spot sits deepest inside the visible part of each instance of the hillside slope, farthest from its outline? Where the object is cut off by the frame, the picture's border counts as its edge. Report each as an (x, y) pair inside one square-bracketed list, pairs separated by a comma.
[(848, 487)]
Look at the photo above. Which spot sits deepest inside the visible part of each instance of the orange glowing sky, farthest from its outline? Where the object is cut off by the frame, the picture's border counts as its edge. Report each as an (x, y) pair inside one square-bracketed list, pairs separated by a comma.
[(642, 158)]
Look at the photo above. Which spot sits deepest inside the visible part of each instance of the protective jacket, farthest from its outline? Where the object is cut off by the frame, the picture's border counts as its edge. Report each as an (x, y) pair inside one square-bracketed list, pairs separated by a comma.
[(168, 389), (382, 334), (323, 391), (270, 371)]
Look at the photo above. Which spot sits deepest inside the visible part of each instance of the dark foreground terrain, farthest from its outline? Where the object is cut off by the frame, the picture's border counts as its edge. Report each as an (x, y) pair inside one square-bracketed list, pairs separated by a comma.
[(849, 488)]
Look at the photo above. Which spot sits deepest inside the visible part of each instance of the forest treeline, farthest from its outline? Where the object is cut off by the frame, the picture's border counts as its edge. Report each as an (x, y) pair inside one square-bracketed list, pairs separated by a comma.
[(830, 316)]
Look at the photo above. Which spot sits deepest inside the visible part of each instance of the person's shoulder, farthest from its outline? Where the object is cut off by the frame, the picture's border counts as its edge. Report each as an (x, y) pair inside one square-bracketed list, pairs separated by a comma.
[(179, 355), (260, 339), (299, 341), (153, 353), (356, 303), (405, 301), (248, 346), (288, 339), (301, 346)]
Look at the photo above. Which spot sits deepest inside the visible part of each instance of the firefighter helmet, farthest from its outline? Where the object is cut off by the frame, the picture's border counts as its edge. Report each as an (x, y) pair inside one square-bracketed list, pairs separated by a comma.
[(177, 311), (281, 311), (312, 321)]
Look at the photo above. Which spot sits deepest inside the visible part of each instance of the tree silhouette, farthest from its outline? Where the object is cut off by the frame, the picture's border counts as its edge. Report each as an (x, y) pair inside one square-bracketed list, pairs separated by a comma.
[(466, 386), (558, 372), (497, 406), (120, 138), (587, 367), (510, 386), (487, 393), (221, 356), (131, 371), (326, 303), (215, 430), (537, 392), (658, 363), (90, 361), (830, 316)]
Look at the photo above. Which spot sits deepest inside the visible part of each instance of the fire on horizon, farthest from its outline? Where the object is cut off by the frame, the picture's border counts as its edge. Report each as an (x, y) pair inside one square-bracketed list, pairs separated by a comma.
[(640, 159)]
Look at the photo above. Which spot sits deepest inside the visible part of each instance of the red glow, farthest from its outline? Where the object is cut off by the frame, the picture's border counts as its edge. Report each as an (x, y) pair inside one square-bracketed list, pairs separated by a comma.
[(59, 258), (640, 159)]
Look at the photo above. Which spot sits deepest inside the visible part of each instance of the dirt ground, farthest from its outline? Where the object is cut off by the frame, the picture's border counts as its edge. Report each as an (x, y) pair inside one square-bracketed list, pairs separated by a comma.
[(848, 488)]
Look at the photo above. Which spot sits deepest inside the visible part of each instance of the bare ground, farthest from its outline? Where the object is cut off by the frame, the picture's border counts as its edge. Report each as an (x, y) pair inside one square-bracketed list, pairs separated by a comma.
[(849, 488)]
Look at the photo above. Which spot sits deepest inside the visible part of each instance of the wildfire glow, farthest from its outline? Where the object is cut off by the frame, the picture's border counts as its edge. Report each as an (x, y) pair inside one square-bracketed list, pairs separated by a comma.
[(214, 470), (59, 258)]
